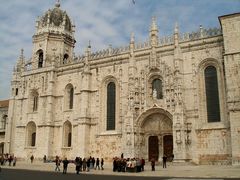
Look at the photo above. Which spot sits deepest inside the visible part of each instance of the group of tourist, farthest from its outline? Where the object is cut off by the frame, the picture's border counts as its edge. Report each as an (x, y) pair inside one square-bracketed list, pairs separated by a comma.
[(82, 164), (8, 158), (121, 164), (128, 164)]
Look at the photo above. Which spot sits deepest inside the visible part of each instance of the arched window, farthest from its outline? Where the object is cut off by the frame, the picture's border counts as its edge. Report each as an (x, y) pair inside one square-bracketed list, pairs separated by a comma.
[(111, 105), (69, 96), (67, 134), (33, 139), (40, 58), (69, 139), (35, 101), (65, 58), (157, 88), (31, 134), (212, 95)]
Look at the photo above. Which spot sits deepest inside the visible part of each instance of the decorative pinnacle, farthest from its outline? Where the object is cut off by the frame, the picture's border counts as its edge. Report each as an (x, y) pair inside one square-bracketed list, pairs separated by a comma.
[(57, 4), (132, 38), (89, 44), (21, 55), (176, 28), (154, 24)]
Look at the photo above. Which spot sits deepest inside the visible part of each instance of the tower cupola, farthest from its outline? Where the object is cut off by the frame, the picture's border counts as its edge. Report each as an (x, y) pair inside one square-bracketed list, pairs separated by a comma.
[(54, 39), (55, 20)]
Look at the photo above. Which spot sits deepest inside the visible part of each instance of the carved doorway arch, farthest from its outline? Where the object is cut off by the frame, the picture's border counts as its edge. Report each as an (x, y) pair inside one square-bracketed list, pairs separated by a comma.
[(154, 125)]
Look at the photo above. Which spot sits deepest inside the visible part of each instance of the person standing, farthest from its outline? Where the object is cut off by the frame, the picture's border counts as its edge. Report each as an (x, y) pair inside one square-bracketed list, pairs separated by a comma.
[(84, 164), (88, 164), (10, 159), (65, 165), (32, 158), (142, 164), (44, 158), (153, 164), (93, 162), (77, 163), (164, 161), (14, 161)]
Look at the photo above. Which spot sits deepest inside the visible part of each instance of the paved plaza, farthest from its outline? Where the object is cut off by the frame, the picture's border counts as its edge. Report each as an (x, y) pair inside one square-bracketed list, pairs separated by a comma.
[(172, 170)]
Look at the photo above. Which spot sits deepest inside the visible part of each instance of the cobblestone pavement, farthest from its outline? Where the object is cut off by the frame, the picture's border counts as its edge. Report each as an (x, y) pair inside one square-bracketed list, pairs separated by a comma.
[(190, 171)]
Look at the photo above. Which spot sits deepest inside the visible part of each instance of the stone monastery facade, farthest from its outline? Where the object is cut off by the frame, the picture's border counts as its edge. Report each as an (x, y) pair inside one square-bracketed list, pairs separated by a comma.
[(173, 95)]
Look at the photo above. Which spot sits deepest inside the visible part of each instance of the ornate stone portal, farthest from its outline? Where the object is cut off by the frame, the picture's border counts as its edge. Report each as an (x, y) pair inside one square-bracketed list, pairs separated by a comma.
[(154, 137)]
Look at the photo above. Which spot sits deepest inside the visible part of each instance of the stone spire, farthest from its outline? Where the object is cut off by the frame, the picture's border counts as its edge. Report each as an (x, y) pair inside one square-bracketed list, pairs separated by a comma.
[(20, 62), (132, 39), (154, 25), (132, 61), (178, 59), (132, 43), (21, 55), (153, 32), (201, 31), (176, 35), (87, 57)]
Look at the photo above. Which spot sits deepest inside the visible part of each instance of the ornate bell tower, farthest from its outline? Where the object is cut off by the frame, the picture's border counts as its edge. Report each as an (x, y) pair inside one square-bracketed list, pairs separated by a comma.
[(53, 41)]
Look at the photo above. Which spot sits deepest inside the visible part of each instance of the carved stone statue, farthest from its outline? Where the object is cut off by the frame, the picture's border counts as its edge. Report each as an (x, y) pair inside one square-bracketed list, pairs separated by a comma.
[(154, 93)]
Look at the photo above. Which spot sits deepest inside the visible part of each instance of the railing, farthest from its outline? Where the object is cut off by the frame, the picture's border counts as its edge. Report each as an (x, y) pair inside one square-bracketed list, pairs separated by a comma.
[(167, 40), (202, 33)]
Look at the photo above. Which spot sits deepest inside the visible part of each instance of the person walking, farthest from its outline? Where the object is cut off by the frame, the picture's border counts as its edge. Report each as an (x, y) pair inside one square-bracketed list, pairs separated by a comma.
[(57, 162), (65, 165), (102, 162), (164, 158), (97, 164)]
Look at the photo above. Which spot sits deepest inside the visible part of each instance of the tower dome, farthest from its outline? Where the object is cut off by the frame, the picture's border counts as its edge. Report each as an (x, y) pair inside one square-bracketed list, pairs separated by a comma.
[(55, 19)]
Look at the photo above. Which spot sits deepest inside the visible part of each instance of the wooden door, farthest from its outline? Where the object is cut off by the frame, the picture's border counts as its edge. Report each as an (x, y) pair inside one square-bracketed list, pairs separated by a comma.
[(153, 149), (168, 145)]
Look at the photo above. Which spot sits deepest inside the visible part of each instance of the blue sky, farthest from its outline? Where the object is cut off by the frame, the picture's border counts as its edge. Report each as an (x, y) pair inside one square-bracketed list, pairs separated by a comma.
[(103, 22)]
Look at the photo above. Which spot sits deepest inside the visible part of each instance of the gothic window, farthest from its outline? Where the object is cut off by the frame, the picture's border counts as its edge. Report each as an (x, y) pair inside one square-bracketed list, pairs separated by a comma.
[(212, 94), (69, 139), (67, 134), (69, 96), (31, 134), (65, 58), (33, 141), (157, 88), (40, 58), (35, 102), (16, 93), (111, 105)]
